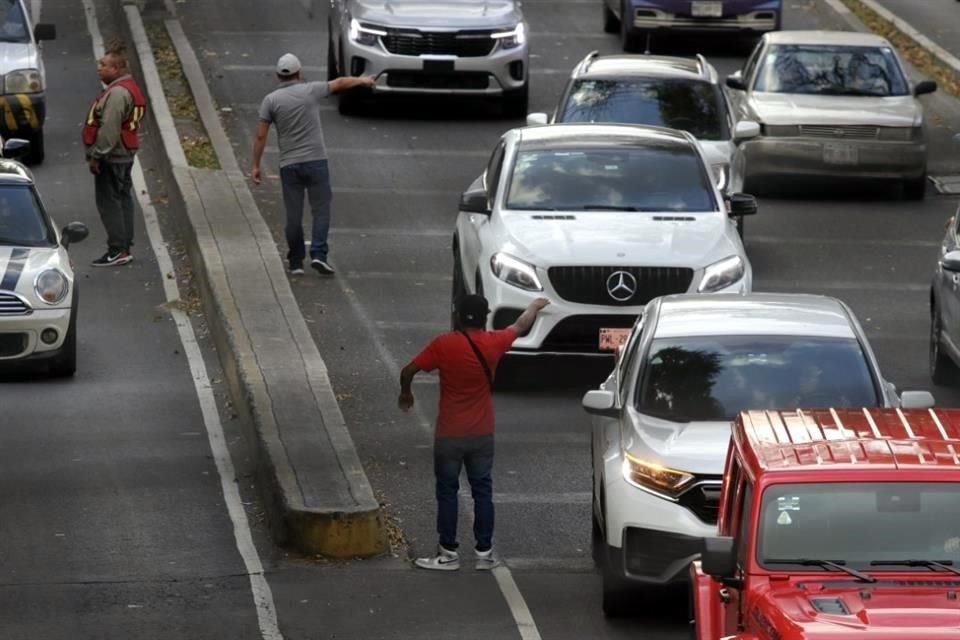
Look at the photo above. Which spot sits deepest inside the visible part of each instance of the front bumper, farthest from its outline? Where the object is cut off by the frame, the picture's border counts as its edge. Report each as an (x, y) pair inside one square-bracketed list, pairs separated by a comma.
[(799, 156), (502, 70), (22, 114), (646, 18), (651, 540), (20, 334)]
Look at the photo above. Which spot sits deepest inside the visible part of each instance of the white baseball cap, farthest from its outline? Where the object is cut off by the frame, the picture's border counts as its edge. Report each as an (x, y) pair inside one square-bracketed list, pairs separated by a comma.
[(288, 65)]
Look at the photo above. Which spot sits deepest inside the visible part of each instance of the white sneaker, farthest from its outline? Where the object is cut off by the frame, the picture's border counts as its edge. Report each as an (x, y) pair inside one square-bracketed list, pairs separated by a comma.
[(445, 560), (487, 560)]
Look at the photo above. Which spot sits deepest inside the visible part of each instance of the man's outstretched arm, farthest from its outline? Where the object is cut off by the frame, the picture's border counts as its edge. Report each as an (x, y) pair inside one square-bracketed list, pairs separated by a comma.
[(405, 402)]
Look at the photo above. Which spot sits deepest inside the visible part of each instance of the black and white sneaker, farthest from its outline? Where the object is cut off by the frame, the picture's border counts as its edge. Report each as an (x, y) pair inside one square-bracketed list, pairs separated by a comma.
[(296, 269), (445, 560), (113, 259), (322, 267)]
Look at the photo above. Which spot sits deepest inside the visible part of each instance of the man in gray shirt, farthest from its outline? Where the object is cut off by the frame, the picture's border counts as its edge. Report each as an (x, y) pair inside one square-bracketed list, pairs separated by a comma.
[(294, 107)]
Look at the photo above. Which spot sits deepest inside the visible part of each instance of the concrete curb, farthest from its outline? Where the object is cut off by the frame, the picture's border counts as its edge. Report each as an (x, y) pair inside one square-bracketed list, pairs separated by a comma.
[(326, 506)]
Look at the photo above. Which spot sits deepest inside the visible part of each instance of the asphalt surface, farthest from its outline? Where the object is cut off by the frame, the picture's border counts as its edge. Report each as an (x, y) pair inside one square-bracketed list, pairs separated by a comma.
[(112, 519), (939, 20)]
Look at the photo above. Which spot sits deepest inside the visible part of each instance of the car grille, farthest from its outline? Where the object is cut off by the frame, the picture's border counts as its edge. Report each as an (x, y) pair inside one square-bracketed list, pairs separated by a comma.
[(12, 305), (703, 499), (581, 334), (12, 344), (651, 553), (853, 132), (591, 285), (420, 80), (465, 44)]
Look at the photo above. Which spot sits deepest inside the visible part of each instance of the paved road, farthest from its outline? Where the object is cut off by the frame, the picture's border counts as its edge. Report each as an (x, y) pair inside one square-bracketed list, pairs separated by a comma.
[(112, 519), (939, 20)]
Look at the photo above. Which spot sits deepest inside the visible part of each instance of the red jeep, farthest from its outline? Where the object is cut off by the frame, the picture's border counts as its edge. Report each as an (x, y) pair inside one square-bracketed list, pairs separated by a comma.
[(835, 524)]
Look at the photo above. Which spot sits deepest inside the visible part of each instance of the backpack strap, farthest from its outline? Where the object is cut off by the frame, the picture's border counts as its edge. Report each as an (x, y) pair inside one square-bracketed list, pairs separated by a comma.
[(483, 361)]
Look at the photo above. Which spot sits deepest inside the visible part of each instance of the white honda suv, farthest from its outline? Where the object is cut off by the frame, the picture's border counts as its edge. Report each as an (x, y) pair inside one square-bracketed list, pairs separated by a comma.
[(600, 219)]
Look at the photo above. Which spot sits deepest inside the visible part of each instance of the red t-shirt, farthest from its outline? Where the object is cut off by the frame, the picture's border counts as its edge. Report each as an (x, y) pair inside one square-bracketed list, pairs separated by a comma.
[(466, 403)]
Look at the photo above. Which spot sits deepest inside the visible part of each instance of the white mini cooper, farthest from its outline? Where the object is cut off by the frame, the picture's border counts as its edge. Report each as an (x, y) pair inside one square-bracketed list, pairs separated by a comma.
[(38, 296)]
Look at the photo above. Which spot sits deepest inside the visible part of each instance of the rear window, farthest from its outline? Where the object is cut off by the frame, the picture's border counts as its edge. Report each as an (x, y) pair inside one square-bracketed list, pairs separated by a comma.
[(22, 221), (610, 179), (688, 105)]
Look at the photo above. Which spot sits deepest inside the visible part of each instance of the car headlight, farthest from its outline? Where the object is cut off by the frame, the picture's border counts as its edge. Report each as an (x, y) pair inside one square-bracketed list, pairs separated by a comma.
[(515, 272), (722, 274), (650, 475), (364, 35), (51, 286), (513, 38), (23, 81), (721, 174)]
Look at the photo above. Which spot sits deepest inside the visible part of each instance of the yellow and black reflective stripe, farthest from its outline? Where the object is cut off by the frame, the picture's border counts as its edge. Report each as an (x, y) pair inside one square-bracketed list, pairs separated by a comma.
[(28, 111), (15, 265), (136, 116), (9, 117)]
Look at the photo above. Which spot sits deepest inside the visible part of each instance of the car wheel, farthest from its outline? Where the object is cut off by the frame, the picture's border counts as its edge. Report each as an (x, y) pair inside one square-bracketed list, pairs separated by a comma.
[(611, 23), (64, 364), (915, 189), (516, 102), (943, 371), (332, 71), (457, 290), (36, 154), (618, 601)]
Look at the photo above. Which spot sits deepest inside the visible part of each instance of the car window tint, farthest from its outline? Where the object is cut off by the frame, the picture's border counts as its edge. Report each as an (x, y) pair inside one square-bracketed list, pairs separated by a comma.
[(614, 178), (829, 520), (689, 105), (831, 70), (13, 24), (21, 219), (492, 175), (714, 378)]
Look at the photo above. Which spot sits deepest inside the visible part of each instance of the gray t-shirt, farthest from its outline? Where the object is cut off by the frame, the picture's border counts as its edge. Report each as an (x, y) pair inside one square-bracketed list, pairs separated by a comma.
[(295, 108)]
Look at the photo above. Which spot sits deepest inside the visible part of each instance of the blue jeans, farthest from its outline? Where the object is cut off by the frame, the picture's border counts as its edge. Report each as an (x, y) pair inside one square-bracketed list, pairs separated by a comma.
[(476, 454), (312, 179)]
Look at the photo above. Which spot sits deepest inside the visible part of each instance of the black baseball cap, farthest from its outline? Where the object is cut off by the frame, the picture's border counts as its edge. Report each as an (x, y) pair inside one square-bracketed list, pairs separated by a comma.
[(472, 310)]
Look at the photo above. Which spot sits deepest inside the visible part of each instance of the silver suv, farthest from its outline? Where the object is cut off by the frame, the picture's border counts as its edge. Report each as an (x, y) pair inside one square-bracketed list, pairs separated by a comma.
[(436, 47)]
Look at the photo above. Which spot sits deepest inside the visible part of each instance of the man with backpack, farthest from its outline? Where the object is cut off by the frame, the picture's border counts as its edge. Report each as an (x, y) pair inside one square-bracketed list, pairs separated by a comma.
[(467, 359)]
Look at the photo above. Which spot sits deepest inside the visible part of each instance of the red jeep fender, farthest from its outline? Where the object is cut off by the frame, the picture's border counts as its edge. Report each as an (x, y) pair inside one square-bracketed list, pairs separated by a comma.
[(705, 609)]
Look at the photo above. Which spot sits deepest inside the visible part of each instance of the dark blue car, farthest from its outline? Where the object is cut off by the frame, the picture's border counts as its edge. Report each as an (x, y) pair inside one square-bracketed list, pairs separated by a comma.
[(635, 19)]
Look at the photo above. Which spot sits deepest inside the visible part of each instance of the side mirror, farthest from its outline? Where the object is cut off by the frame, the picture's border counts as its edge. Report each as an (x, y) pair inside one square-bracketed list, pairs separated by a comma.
[(600, 403), (924, 86), (537, 118), (745, 130), (719, 558), (951, 261), (475, 202), (735, 81), (45, 31), (73, 232), (916, 400), (741, 204), (16, 148)]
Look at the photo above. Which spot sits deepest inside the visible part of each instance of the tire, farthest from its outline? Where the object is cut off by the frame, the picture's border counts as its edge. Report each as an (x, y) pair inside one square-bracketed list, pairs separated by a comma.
[(64, 364), (618, 599), (611, 23), (915, 189), (516, 102), (943, 371), (332, 71), (36, 154), (457, 290)]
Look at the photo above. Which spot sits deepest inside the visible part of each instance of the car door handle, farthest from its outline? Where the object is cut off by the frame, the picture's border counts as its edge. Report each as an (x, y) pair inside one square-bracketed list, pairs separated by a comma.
[(724, 595)]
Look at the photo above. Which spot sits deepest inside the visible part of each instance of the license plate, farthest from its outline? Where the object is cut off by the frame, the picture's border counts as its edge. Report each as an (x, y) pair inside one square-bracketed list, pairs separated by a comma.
[(438, 66), (840, 154), (613, 339), (706, 9)]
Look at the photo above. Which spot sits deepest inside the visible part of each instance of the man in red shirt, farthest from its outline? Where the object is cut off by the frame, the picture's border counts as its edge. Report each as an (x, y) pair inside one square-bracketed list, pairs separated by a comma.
[(464, 432)]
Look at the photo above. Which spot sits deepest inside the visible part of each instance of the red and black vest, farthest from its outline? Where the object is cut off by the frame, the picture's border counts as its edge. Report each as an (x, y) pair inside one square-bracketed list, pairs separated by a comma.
[(131, 124)]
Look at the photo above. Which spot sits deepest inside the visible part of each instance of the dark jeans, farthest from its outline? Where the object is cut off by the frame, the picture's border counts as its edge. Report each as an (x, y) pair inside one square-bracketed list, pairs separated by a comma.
[(476, 454), (312, 179), (113, 188)]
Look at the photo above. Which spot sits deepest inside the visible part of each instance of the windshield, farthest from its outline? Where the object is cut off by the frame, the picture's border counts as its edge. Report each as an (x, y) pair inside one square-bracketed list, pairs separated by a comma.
[(903, 521), (831, 70), (22, 221), (669, 178), (693, 106), (716, 377), (13, 25)]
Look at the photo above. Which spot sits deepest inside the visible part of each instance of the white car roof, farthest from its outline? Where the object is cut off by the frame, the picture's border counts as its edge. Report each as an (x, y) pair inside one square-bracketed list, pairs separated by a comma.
[(768, 314), (850, 38)]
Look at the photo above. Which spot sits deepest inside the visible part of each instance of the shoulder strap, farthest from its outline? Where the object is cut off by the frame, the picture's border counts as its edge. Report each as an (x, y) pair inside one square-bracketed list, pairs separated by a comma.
[(483, 361)]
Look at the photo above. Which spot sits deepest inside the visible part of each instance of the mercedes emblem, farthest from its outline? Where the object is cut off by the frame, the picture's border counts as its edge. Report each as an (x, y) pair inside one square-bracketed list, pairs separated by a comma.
[(621, 285)]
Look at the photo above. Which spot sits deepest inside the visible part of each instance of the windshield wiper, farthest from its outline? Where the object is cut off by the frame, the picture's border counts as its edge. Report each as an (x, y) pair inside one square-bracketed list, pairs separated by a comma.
[(946, 565), (608, 207), (826, 564)]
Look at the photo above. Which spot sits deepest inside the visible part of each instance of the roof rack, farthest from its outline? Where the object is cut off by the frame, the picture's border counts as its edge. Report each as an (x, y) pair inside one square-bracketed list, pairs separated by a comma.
[(582, 65), (704, 65)]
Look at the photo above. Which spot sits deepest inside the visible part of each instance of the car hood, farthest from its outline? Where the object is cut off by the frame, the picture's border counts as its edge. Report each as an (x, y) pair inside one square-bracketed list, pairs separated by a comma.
[(697, 447), (918, 609), (600, 238), (787, 109), (14, 55), (439, 14)]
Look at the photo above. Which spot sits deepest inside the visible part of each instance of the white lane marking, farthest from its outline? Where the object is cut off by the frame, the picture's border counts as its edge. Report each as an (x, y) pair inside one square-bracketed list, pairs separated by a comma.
[(564, 565), (518, 606), (838, 6), (260, 588)]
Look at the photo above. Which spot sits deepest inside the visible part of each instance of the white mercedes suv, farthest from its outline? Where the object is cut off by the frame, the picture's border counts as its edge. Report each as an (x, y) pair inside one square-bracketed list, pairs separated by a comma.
[(662, 417), (600, 219)]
